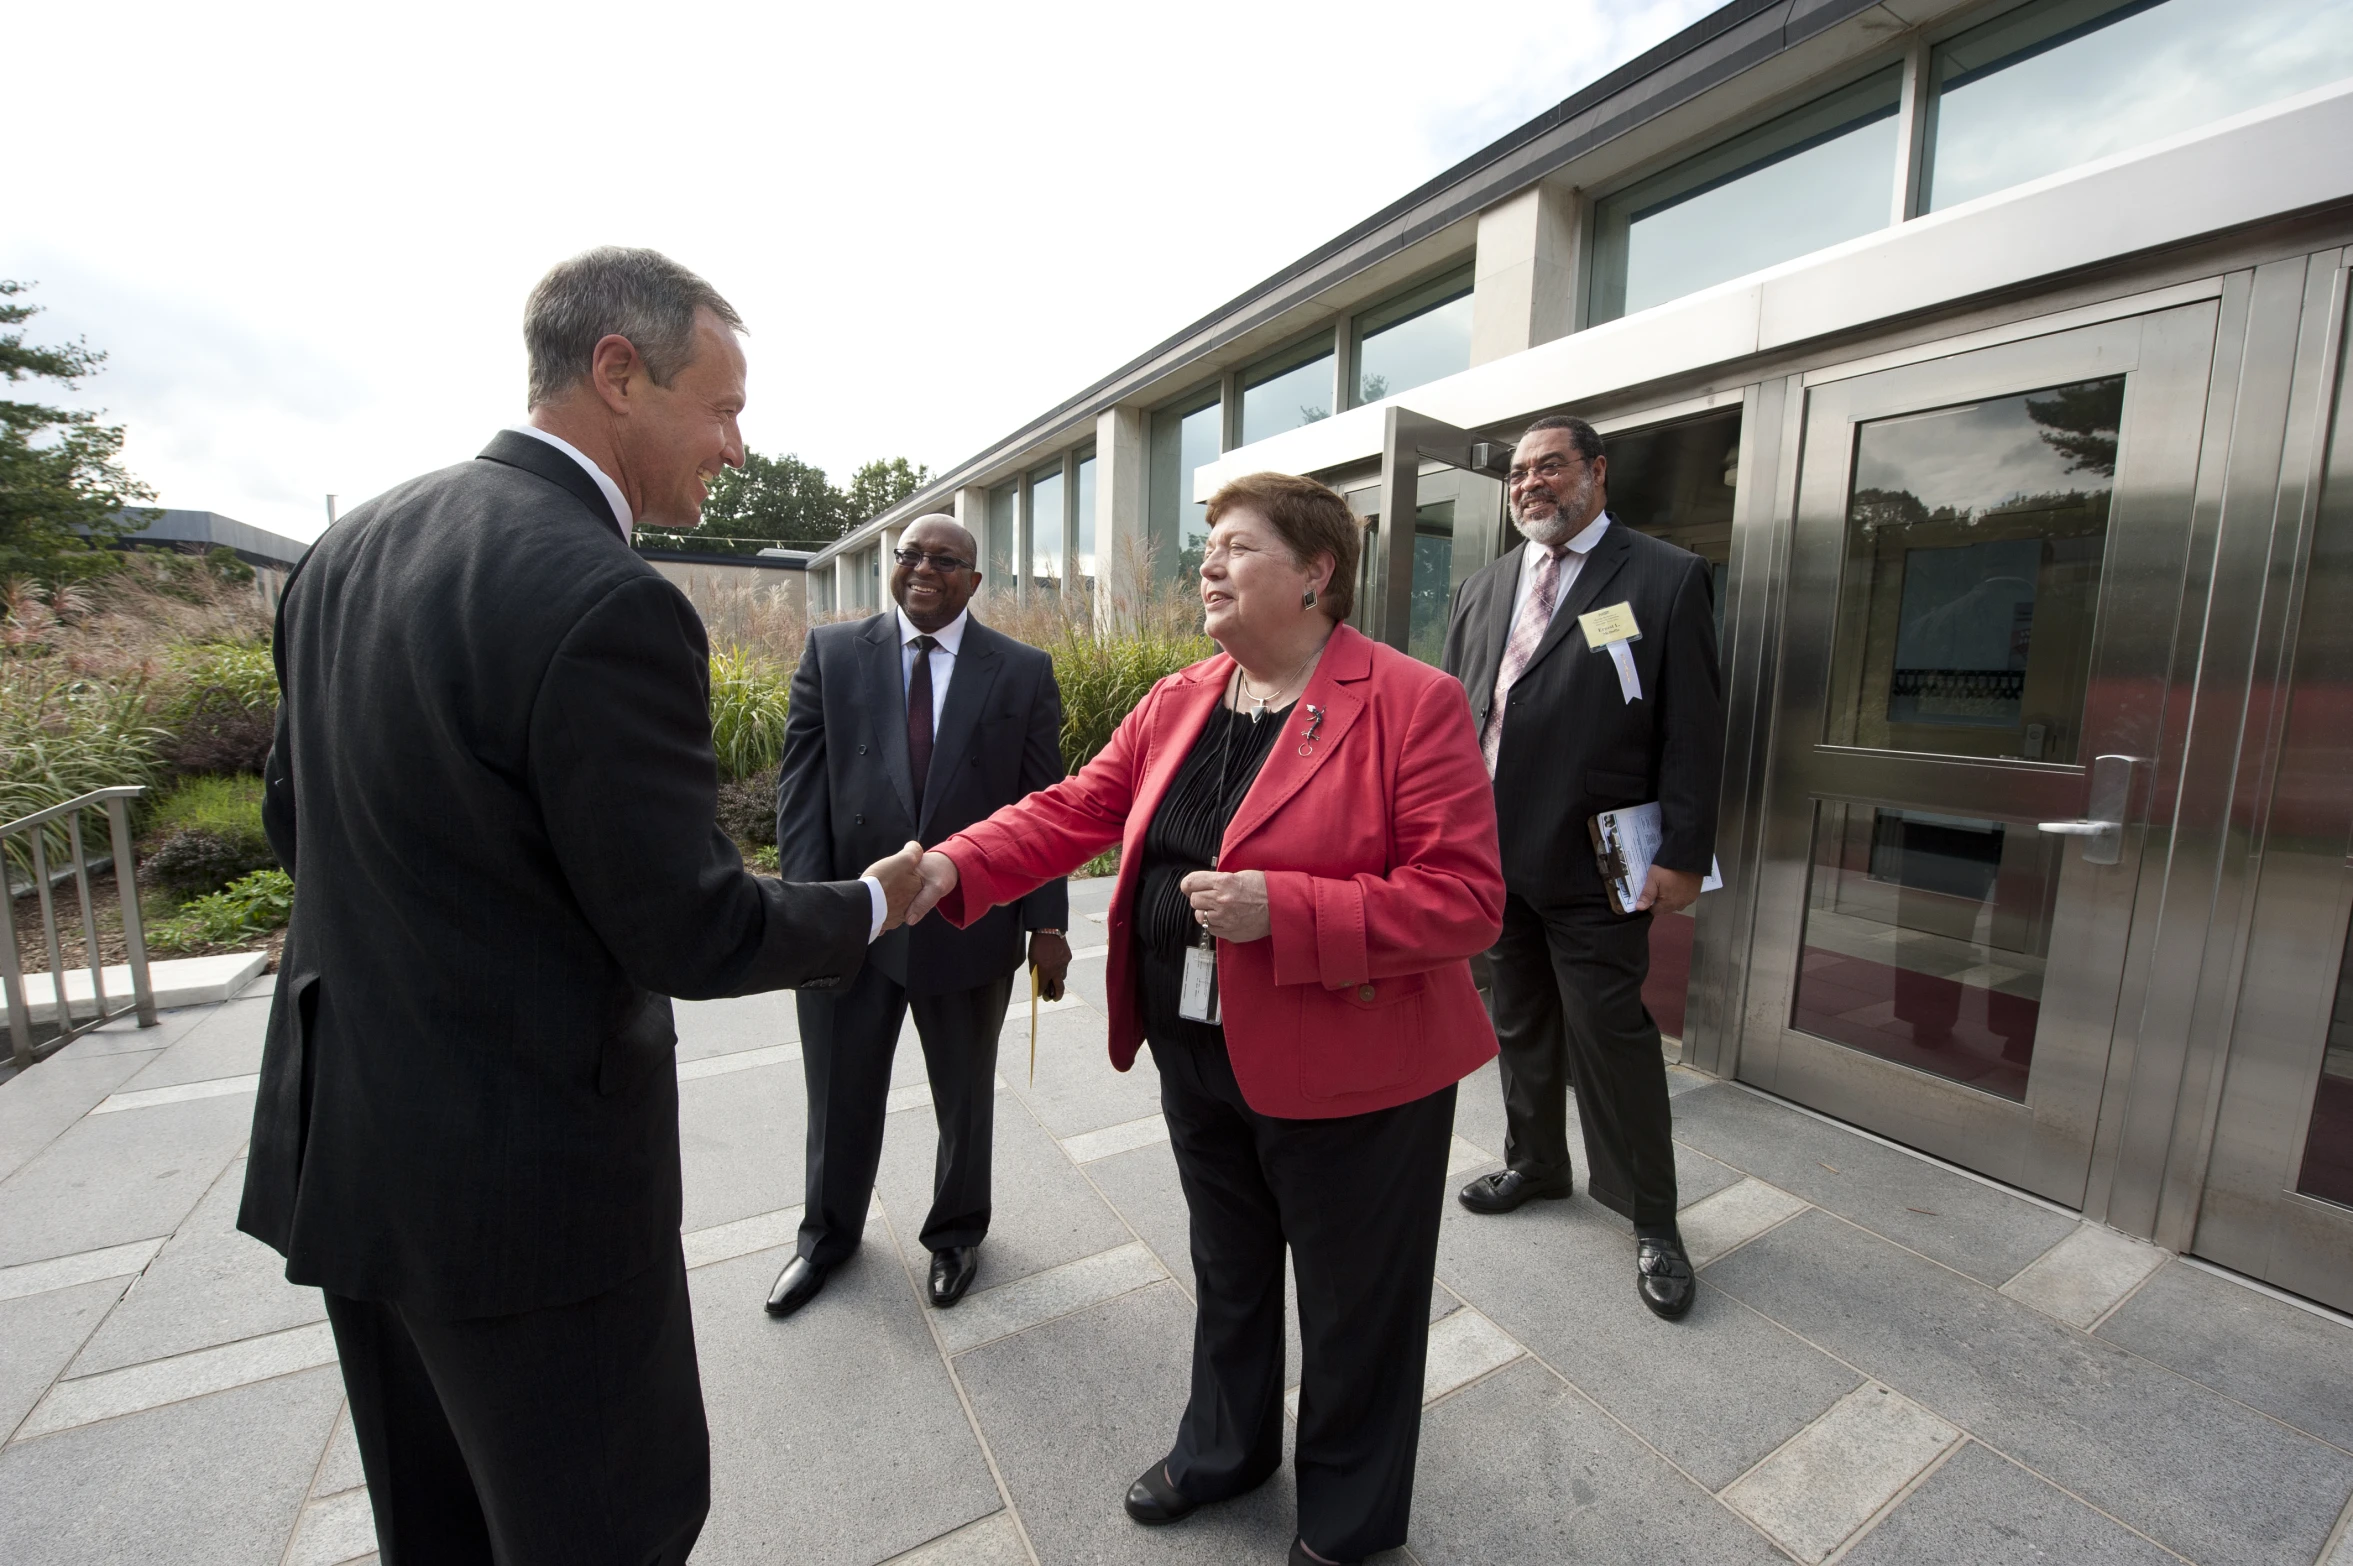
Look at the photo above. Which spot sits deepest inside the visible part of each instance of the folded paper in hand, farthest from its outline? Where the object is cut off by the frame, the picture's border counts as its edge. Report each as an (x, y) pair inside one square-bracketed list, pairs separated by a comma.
[(1625, 841)]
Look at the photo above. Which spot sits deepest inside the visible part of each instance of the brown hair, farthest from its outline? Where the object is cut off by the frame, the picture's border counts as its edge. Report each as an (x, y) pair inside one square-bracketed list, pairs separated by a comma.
[(1312, 519)]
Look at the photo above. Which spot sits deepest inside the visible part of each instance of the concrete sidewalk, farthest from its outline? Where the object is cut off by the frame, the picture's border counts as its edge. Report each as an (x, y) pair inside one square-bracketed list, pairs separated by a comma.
[(1890, 1362)]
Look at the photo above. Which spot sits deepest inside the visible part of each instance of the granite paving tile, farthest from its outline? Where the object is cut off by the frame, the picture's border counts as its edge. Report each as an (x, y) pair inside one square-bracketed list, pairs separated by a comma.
[(1980, 1509), (209, 1284), (227, 1043), (1826, 1481), (1043, 1210), (133, 1389), (124, 1036), (2265, 1352), (1075, 1409), (124, 1262), (1041, 1296), (837, 1438), (339, 1468), (993, 1541), (1076, 1091), (743, 1143), (1143, 1186), (39, 1336), (719, 1027), (213, 1481), (1731, 1217), (1971, 1227), (42, 1104), (1519, 1470), (334, 1529), (2199, 1473), (2084, 1275), (110, 1179), (1715, 1392)]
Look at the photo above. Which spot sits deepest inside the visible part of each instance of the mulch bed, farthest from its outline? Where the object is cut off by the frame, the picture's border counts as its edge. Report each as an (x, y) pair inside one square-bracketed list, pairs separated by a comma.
[(33, 954)]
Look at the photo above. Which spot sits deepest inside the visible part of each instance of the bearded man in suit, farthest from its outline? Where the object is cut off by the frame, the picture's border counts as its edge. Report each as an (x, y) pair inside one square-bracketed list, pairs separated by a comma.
[(914, 723), (1590, 658), (494, 784)]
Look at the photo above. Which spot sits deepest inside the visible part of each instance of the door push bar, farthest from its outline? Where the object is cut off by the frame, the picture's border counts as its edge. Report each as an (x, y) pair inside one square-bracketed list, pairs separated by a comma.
[(2103, 822)]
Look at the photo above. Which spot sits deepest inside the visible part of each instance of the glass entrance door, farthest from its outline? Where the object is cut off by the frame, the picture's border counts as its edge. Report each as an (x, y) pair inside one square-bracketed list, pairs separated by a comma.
[(2278, 1201), (1985, 572)]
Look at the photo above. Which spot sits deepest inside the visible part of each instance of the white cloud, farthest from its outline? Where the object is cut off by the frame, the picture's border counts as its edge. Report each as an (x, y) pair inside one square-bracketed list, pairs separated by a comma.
[(304, 234)]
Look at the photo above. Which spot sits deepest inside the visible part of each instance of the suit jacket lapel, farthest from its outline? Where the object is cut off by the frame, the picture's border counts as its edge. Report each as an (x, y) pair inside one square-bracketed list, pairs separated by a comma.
[(1592, 577), (977, 664), (539, 458), (1494, 629), (886, 700), (1294, 759)]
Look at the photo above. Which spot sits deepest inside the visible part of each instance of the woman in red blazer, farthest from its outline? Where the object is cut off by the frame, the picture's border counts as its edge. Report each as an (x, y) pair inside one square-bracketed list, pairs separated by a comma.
[(1307, 817)]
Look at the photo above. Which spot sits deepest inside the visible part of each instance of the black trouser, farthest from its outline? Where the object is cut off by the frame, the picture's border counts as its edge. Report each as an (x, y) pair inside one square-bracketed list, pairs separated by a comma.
[(847, 1040), (1569, 1013), (570, 1436), (1357, 1199)]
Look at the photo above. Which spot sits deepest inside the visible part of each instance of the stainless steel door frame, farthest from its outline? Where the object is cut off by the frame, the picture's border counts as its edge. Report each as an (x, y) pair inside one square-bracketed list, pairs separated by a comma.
[(2246, 1207), (2045, 1143)]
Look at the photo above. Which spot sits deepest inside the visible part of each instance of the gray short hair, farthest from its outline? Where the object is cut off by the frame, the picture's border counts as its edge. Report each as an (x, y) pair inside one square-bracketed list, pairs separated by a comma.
[(1584, 439), (611, 291)]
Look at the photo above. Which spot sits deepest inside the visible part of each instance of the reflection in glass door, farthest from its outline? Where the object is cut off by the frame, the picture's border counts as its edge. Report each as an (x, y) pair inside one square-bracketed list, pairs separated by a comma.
[(1984, 575)]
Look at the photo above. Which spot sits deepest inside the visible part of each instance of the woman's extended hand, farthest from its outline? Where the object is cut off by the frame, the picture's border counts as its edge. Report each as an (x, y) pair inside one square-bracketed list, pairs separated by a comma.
[(1231, 907), (939, 879)]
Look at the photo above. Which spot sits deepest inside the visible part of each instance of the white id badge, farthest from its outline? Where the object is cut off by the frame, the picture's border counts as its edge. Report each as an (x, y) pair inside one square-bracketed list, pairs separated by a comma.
[(1197, 1000)]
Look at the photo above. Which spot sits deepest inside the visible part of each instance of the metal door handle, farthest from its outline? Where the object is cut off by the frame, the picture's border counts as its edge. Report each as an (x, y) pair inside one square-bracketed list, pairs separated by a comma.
[(2111, 792)]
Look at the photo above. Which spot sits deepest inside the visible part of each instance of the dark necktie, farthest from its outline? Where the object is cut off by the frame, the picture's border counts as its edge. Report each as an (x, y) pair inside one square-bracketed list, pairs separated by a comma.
[(919, 720)]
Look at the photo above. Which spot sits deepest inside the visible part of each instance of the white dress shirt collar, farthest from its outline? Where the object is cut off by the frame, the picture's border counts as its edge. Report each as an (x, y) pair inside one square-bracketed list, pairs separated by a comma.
[(949, 636), (604, 482)]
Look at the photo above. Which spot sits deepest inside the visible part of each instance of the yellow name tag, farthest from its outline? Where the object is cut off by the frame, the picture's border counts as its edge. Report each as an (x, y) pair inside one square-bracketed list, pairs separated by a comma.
[(1604, 626)]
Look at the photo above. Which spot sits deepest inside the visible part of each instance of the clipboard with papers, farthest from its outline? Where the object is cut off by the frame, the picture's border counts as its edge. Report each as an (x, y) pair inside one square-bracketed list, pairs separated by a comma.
[(1625, 841)]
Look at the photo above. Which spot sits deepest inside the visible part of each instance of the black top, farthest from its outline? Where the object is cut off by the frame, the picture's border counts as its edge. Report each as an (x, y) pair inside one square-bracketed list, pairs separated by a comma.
[(1184, 836)]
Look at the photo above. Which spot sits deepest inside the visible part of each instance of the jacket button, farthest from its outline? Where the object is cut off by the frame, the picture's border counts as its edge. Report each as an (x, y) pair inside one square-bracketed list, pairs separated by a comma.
[(857, 820), (1364, 992), (861, 750)]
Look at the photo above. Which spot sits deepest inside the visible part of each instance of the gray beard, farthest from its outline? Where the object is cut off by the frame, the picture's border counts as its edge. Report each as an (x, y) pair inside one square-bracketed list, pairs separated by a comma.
[(1551, 532)]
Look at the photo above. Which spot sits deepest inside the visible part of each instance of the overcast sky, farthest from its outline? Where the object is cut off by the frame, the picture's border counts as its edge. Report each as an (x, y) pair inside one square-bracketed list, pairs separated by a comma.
[(304, 234)]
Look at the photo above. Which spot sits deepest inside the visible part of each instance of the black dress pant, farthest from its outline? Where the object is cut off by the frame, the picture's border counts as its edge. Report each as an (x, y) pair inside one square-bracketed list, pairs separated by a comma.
[(847, 1039), (1357, 1199), (1569, 1013), (570, 1436)]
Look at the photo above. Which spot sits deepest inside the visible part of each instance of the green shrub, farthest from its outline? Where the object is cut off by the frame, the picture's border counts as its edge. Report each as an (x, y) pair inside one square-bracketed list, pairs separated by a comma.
[(223, 708), (747, 714), (1102, 680), (1104, 863), (747, 809), (208, 834), (245, 910), (63, 735), (762, 860)]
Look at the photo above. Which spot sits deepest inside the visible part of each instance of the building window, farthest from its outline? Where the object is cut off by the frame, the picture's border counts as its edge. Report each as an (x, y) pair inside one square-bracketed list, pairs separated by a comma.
[(1184, 437), (997, 544), (1046, 521), (1083, 535), (1414, 339), (2048, 86), (1288, 390), (1813, 177)]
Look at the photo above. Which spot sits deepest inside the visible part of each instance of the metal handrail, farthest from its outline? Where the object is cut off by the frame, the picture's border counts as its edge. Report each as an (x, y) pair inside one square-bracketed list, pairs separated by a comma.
[(33, 829)]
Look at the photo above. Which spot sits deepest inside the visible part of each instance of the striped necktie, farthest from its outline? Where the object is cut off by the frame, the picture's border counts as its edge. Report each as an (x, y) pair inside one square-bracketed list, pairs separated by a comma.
[(1535, 618)]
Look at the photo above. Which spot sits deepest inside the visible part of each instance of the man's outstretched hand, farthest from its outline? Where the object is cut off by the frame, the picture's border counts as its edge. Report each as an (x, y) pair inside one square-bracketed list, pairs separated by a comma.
[(902, 881), (939, 879)]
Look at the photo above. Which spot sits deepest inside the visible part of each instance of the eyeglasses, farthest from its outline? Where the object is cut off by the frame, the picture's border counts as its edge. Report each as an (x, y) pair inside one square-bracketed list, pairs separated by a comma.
[(943, 564), (1548, 467)]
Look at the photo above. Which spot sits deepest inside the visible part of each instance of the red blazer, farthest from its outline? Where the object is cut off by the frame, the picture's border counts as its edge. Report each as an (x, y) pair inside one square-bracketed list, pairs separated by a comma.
[(1378, 842)]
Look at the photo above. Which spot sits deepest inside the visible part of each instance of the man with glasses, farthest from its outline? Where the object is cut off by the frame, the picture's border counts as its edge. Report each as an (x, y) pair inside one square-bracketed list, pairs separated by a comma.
[(913, 724), (1590, 658)]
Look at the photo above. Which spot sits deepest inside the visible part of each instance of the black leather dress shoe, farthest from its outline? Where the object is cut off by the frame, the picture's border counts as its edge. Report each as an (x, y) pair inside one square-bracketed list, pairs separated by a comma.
[(796, 1286), (1506, 1189), (1300, 1557), (1663, 1277), (1152, 1500), (952, 1271)]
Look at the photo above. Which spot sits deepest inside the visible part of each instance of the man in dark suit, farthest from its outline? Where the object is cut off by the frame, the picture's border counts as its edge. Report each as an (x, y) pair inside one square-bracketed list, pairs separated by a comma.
[(1590, 658), (919, 721), (493, 782)]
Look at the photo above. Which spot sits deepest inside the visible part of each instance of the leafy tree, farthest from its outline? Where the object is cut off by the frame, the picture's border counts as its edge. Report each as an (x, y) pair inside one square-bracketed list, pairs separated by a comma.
[(62, 482), (2080, 422), (774, 498), (880, 485)]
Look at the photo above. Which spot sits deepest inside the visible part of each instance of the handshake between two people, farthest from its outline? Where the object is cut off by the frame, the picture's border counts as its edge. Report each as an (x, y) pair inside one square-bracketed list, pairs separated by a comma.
[(913, 881)]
